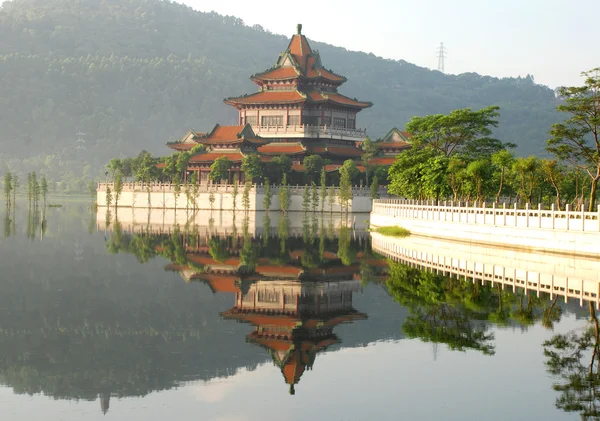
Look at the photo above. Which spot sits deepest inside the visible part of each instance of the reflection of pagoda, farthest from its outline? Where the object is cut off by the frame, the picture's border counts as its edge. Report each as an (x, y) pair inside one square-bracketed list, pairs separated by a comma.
[(294, 319), (294, 307)]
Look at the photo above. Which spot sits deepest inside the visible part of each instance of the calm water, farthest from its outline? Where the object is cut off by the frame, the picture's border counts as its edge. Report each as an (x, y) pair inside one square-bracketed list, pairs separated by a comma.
[(291, 318)]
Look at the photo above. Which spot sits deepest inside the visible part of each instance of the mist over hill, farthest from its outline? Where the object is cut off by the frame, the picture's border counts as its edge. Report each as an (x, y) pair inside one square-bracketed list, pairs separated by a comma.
[(134, 74)]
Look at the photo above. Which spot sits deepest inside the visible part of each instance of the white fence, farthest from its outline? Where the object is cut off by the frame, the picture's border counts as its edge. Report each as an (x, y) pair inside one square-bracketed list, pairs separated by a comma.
[(567, 220)]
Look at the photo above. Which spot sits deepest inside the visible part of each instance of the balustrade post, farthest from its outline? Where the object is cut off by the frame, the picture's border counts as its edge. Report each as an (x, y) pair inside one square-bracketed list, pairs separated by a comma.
[(567, 215), (598, 218), (494, 213), (552, 212), (484, 211), (527, 214), (539, 215), (582, 217), (515, 213), (504, 213)]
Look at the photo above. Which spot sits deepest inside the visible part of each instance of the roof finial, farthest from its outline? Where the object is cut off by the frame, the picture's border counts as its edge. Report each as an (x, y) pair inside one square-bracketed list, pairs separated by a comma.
[(299, 28)]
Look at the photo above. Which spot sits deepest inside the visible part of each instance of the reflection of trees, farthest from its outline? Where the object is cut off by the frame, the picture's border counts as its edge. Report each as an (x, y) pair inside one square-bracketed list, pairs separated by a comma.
[(574, 358), (457, 311)]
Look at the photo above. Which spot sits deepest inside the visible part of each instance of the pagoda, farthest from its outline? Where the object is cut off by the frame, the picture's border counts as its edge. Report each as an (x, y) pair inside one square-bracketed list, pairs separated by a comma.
[(296, 112), (393, 143)]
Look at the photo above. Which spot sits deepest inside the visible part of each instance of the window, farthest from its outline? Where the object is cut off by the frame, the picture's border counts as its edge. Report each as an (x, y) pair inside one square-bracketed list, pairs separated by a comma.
[(251, 119), (327, 121), (271, 120), (268, 297), (352, 123), (312, 120), (339, 122), (293, 120)]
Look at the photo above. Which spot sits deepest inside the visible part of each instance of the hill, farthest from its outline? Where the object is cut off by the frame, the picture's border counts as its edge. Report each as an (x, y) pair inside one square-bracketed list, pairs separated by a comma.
[(134, 74)]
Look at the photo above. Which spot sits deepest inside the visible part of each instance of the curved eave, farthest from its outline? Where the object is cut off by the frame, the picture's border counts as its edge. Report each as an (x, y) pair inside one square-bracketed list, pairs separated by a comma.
[(234, 102), (357, 105)]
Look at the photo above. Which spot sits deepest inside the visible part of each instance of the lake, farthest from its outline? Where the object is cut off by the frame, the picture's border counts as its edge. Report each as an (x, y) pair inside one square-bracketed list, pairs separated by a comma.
[(228, 318)]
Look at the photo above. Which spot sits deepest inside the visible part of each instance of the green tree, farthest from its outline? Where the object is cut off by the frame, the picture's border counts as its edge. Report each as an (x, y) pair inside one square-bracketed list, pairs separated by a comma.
[(315, 197), (306, 199), (457, 167), (118, 187), (312, 166), (246, 195), (527, 172), (146, 172), (331, 198), (478, 172), (268, 197), (369, 150), (461, 131), (502, 160), (434, 177), (44, 189), (284, 195), (219, 170), (279, 166), (92, 191), (113, 166), (8, 186), (252, 167), (347, 172), (15, 187), (406, 173), (574, 360), (375, 188), (108, 199), (577, 140), (554, 174), (323, 192)]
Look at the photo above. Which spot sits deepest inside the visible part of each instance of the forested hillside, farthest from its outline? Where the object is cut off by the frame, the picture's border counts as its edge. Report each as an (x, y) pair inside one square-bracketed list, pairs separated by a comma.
[(134, 74)]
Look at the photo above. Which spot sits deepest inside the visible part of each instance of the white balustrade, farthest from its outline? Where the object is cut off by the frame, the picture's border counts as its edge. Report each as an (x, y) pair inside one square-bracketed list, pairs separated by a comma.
[(480, 214)]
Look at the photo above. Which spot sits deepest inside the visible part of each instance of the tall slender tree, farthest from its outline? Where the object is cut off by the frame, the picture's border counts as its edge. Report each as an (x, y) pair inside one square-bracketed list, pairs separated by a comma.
[(8, 186), (323, 188), (577, 139), (44, 189)]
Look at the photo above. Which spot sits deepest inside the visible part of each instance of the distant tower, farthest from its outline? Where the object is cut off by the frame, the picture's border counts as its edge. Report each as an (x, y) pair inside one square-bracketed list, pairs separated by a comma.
[(441, 56), (80, 140)]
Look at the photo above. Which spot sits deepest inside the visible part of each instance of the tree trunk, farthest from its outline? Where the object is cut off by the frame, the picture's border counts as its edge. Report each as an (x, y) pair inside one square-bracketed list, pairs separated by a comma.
[(593, 193), (501, 185)]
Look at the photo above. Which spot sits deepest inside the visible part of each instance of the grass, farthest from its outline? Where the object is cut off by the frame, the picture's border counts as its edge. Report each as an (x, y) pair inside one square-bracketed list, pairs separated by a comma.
[(393, 231)]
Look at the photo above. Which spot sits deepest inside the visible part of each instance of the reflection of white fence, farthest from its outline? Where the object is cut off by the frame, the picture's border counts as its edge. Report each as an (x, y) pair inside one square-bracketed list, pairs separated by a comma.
[(224, 223), (565, 276), (568, 220)]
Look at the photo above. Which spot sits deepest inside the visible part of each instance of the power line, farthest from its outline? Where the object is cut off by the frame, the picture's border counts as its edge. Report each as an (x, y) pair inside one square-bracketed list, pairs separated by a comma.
[(441, 55)]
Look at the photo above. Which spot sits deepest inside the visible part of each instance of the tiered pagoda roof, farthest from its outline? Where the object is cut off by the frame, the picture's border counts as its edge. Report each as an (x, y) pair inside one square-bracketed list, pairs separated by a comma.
[(298, 61), (394, 142), (299, 69), (219, 135), (296, 97)]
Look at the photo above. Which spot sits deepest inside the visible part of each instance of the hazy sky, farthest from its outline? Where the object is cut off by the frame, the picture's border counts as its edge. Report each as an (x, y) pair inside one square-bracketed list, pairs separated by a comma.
[(554, 40)]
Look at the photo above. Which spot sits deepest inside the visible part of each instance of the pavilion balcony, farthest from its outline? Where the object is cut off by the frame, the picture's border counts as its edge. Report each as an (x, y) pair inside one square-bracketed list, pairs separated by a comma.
[(308, 131)]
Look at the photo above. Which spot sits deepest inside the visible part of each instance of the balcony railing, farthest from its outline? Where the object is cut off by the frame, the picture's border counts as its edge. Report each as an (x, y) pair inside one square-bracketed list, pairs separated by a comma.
[(306, 130)]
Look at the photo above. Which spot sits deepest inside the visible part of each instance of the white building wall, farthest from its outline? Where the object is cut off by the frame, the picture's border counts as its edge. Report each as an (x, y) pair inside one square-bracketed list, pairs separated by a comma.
[(162, 196)]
